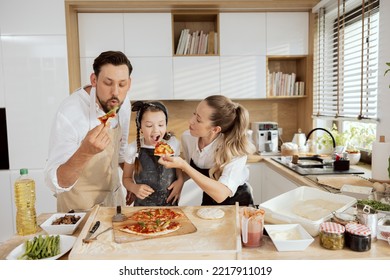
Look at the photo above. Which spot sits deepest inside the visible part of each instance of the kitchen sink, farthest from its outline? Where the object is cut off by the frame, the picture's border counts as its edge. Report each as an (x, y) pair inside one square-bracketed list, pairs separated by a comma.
[(313, 166)]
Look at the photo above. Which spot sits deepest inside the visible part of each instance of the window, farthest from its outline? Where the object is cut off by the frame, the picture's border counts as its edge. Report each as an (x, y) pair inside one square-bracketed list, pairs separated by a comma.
[(346, 63)]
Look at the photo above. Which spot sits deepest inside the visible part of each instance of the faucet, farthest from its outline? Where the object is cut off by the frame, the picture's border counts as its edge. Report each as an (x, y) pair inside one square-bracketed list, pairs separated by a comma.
[(320, 128)]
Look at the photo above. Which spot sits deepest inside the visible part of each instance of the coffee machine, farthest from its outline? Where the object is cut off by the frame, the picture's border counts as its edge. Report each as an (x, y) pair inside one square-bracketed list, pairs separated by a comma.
[(266, 137)]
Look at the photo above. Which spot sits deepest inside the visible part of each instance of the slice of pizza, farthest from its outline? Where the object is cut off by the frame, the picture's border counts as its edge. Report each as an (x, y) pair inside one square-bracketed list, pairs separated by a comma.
[(110, 114), (162, 148), (151, 228)]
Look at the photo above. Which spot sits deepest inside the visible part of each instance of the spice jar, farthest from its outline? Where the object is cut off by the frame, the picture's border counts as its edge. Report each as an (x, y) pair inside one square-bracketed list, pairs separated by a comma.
[(358, 237), (332, 236)]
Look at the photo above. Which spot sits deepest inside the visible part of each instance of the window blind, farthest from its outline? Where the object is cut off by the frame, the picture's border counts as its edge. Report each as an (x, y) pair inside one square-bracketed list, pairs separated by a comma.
[(346, 60)]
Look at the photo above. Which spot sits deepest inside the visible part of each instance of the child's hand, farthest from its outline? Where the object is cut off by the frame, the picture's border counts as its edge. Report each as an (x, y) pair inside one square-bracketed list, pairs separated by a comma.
[(176, 187), (143, 191)]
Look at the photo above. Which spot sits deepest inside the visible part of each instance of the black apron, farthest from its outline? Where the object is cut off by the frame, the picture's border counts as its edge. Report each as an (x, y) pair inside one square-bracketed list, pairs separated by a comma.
[(243, 194), (155, 176)]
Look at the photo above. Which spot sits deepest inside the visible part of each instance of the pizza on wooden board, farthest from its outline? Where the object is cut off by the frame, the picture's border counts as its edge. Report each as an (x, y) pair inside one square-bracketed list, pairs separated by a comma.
[(152, 228), (110, 114), (162, 148), (153, 222)]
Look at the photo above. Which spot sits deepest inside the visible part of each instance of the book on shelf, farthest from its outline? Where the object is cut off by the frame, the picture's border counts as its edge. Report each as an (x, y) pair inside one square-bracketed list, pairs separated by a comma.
[(282, 84), (183, 41), (180, 42), (186, 46), (193, 39), (197, 42), (210, 44), (300, 88), (198, 50)]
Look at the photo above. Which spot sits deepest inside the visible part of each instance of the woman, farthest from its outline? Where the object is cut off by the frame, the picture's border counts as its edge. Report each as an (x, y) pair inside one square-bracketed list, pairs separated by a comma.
[(216, 149)]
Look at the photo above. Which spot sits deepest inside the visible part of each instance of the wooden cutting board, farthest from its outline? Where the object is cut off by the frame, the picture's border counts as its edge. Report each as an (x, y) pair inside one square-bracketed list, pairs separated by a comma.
[(123, 237), (338, 181)]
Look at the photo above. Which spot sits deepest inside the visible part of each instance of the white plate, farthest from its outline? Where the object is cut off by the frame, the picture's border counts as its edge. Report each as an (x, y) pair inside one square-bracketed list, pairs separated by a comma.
[(66, 243), (62, 228)]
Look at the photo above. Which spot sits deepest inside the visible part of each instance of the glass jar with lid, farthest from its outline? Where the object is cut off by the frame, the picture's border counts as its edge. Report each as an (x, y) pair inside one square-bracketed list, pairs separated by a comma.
[(384, 228), (357, 237), (332, 236)]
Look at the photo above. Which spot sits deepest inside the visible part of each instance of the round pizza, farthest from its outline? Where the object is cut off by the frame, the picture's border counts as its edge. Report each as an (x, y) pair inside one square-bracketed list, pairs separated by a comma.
[(155, 214), (151, 228), (162, 148)]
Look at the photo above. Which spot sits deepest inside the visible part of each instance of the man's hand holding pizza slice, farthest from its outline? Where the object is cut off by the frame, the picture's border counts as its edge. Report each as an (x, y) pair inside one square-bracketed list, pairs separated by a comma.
[(111, 114)]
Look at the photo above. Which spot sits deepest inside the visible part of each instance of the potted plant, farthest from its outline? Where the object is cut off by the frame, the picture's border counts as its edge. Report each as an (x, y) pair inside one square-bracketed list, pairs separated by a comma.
[(349, 140)]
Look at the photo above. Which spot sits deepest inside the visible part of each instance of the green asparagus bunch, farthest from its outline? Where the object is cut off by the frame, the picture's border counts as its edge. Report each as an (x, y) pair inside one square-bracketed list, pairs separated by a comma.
[(41, 247)]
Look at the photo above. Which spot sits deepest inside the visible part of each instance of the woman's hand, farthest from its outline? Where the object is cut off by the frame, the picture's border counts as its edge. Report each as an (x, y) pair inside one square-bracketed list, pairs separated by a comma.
[(172, 162)]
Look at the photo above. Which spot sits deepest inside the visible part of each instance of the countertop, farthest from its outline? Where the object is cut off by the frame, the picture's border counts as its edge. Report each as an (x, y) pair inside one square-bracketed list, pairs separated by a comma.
[(379, 249), (307, 180)]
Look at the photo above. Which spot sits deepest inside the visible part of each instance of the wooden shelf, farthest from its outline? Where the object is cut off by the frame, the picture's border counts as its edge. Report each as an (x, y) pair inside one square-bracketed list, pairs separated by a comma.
[(195, 21), (287, 65)]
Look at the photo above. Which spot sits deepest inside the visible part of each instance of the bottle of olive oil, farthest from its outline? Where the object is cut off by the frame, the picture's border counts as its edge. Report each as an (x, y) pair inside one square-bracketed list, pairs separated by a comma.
[(26, 219)]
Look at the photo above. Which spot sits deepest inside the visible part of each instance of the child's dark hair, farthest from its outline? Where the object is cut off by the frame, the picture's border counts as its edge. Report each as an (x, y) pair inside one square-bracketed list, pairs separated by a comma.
[(141, 107)]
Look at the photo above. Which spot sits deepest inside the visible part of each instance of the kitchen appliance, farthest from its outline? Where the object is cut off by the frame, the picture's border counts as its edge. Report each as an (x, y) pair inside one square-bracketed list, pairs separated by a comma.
[(266, 136), (300, 139)]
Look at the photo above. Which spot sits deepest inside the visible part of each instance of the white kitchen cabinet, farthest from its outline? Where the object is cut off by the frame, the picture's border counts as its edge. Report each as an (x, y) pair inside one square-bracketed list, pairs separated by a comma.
[(32, 101), (99, 32), (242, 34), (6, 206), (148, 34), (239, 72), (287, 33), (196, 77), (38, 17), (274, 184), (147, 81), (243, 77)]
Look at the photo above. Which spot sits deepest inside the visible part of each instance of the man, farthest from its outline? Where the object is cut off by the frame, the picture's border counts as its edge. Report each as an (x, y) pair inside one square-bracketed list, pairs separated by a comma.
[(82, 168)]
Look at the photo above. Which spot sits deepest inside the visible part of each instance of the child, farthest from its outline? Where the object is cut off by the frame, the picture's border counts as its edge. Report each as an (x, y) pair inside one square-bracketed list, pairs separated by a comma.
[(150, 182)]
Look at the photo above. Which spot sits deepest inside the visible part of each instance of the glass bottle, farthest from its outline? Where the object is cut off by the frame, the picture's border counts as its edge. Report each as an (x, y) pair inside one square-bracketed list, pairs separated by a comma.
[(26, 220)]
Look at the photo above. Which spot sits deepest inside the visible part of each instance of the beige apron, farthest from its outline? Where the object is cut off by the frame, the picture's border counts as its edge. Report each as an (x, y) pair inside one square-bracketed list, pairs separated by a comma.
[(99, 182)]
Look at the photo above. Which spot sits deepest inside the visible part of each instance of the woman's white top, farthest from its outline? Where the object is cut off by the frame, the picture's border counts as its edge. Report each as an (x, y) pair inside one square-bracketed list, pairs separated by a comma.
[(234, 174)]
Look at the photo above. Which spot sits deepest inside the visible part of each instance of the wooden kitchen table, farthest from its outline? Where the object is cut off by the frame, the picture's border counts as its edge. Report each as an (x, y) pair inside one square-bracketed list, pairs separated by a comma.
[(379, 249)]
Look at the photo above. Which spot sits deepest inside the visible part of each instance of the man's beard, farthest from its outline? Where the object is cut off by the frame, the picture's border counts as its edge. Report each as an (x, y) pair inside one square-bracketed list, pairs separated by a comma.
[(105, 105)]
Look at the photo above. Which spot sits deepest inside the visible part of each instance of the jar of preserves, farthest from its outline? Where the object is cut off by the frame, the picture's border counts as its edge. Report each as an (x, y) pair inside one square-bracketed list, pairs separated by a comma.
[(384, 228), (358, 237), (332, 236)]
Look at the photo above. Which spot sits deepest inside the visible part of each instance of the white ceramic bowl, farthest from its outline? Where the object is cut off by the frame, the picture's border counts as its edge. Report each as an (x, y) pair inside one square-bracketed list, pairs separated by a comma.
[(62, 228), (289, 237)]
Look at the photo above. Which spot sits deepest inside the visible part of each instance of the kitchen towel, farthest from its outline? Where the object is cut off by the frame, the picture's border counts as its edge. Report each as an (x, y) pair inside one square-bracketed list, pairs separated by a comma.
[(380, 161)]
